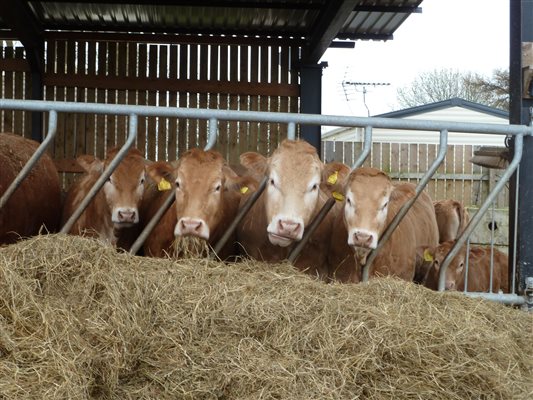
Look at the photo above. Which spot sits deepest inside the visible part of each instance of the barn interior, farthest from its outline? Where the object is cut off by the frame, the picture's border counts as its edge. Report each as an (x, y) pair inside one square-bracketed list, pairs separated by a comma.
[(229, 55)]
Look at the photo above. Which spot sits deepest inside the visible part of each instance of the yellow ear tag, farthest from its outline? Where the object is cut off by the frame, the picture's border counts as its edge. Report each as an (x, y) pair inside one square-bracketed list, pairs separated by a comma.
[(244, 189), (428, 256), (338, 196), (332, 179), (163, 185)]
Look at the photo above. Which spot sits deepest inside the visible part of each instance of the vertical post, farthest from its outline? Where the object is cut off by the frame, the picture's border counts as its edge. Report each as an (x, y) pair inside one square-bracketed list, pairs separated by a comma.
[(521, 32), (311, 101), (36, 94)]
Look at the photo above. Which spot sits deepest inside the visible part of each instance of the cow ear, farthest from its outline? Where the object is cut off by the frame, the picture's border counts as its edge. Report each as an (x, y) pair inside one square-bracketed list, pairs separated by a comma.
[(160, 171), (90, 163), (334, 177), (234, 182), (255, 163)]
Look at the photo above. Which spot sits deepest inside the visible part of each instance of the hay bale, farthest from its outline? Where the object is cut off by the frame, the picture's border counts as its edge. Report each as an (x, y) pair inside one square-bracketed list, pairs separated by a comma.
[(79, 320)]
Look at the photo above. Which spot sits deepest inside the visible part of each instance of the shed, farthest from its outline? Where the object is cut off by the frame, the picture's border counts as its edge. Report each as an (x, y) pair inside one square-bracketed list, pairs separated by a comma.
[(455, 109), (240, 55)]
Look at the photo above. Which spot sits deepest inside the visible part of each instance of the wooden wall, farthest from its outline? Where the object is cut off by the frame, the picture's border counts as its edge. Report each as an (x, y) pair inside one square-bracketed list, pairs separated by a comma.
[(184, 74), (457, 178)]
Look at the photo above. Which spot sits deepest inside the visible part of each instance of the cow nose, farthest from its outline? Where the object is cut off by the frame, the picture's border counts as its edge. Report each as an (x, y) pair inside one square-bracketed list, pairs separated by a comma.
[(289, 228), (449, 285), (126, 216), (362, 239), (192, 226)]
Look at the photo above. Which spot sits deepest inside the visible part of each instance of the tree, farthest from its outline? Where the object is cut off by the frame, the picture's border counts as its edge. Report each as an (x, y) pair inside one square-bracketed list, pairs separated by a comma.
[(439, 85)]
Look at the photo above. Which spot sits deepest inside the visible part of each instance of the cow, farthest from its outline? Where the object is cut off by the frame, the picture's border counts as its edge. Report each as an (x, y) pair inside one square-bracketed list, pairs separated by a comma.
[(207, 196), (296, 190), (478, 268), (36, 203), (371, 202), (113, 214), (452, 219)]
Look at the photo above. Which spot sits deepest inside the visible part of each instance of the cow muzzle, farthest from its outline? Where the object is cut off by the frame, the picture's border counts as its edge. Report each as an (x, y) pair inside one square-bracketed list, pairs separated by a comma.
[(284, 231), (362, 238), (125, 216), (192, 227)]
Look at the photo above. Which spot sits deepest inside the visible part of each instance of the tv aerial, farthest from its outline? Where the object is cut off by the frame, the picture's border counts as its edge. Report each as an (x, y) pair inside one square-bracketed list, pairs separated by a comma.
[(361, 87)]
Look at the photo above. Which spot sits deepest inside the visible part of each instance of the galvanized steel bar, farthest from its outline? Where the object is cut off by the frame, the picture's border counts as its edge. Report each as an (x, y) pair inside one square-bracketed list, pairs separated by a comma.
[(295, 252), (443, 145), (492, 249), (515, 234), (105, 174), (136, 246), (263, 116), (213, 134), (291, 131), (467, 262), (52, 130), (240, 215), (519, 141), (505, 298)]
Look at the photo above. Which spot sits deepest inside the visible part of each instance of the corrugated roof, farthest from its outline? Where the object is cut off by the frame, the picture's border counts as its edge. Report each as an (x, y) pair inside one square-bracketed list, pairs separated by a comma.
[(316, 22)]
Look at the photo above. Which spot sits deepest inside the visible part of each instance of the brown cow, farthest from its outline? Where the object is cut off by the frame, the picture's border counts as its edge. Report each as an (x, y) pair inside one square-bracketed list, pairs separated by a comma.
[(297, 189), (207, 194), (37, 201), (113, 214), (452, 219), (371, 202), (478, 268)]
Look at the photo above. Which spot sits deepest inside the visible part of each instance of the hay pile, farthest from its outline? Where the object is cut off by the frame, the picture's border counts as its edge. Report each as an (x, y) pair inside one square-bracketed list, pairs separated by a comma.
[(79, 321)]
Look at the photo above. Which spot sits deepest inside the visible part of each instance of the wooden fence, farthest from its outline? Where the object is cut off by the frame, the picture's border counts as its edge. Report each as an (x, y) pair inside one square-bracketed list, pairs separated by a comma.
[(457, 178)]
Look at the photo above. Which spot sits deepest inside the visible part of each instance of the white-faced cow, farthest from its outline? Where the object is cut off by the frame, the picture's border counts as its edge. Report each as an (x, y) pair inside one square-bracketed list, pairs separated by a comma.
[(207, 193), (295, 192), (113, 214), (37, 201), (479, 261), (452, 219), (371, 202)]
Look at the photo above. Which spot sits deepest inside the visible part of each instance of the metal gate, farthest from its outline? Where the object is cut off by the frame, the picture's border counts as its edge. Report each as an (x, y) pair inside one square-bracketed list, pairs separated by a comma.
[(292, 120)]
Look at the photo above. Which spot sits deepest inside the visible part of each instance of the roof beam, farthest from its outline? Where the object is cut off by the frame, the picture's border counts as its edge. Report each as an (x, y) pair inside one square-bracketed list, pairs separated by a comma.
[(326, 28), (389, 9), (273, 4), (17, 15)]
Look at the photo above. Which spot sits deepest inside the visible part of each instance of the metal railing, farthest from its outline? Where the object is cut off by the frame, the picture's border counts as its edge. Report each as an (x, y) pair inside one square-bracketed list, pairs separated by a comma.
[(291, 119)]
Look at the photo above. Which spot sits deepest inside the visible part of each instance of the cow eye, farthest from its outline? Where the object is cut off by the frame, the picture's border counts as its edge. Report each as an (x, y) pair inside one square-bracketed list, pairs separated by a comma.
[(385, 205), (315, 187), (142, 181), (217, 189), (272, 182), (348, 201), (177, 185)]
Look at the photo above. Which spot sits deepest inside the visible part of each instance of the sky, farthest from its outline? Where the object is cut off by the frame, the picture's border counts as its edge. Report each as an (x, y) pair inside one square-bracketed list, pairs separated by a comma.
[(463, 35)]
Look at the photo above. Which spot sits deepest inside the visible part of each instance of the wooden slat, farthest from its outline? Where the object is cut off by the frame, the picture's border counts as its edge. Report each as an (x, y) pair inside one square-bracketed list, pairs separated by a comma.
[(90, 122), (264, 140), (193, 97), (152, 136), (9, 93), (18, 117), (161, 132), (233, 126), (181, 85), (142, 99), (202, 97), (173, 102), (183, 99), (101, 133)]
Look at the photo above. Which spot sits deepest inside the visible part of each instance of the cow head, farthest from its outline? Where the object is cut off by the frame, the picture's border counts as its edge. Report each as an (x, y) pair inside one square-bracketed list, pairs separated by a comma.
[(201, 179), (367, 195), (291, 198), (125, 187), (434, 256)]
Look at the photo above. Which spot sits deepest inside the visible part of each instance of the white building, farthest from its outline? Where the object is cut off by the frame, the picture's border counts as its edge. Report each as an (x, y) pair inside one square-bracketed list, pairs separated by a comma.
[(454, 110)]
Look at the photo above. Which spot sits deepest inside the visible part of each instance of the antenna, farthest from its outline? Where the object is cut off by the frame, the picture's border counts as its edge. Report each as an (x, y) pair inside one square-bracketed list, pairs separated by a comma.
[(364, 89)]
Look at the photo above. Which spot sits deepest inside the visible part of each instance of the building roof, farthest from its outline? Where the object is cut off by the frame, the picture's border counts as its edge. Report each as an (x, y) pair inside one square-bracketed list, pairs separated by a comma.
[(315, 23), (439, 105)]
